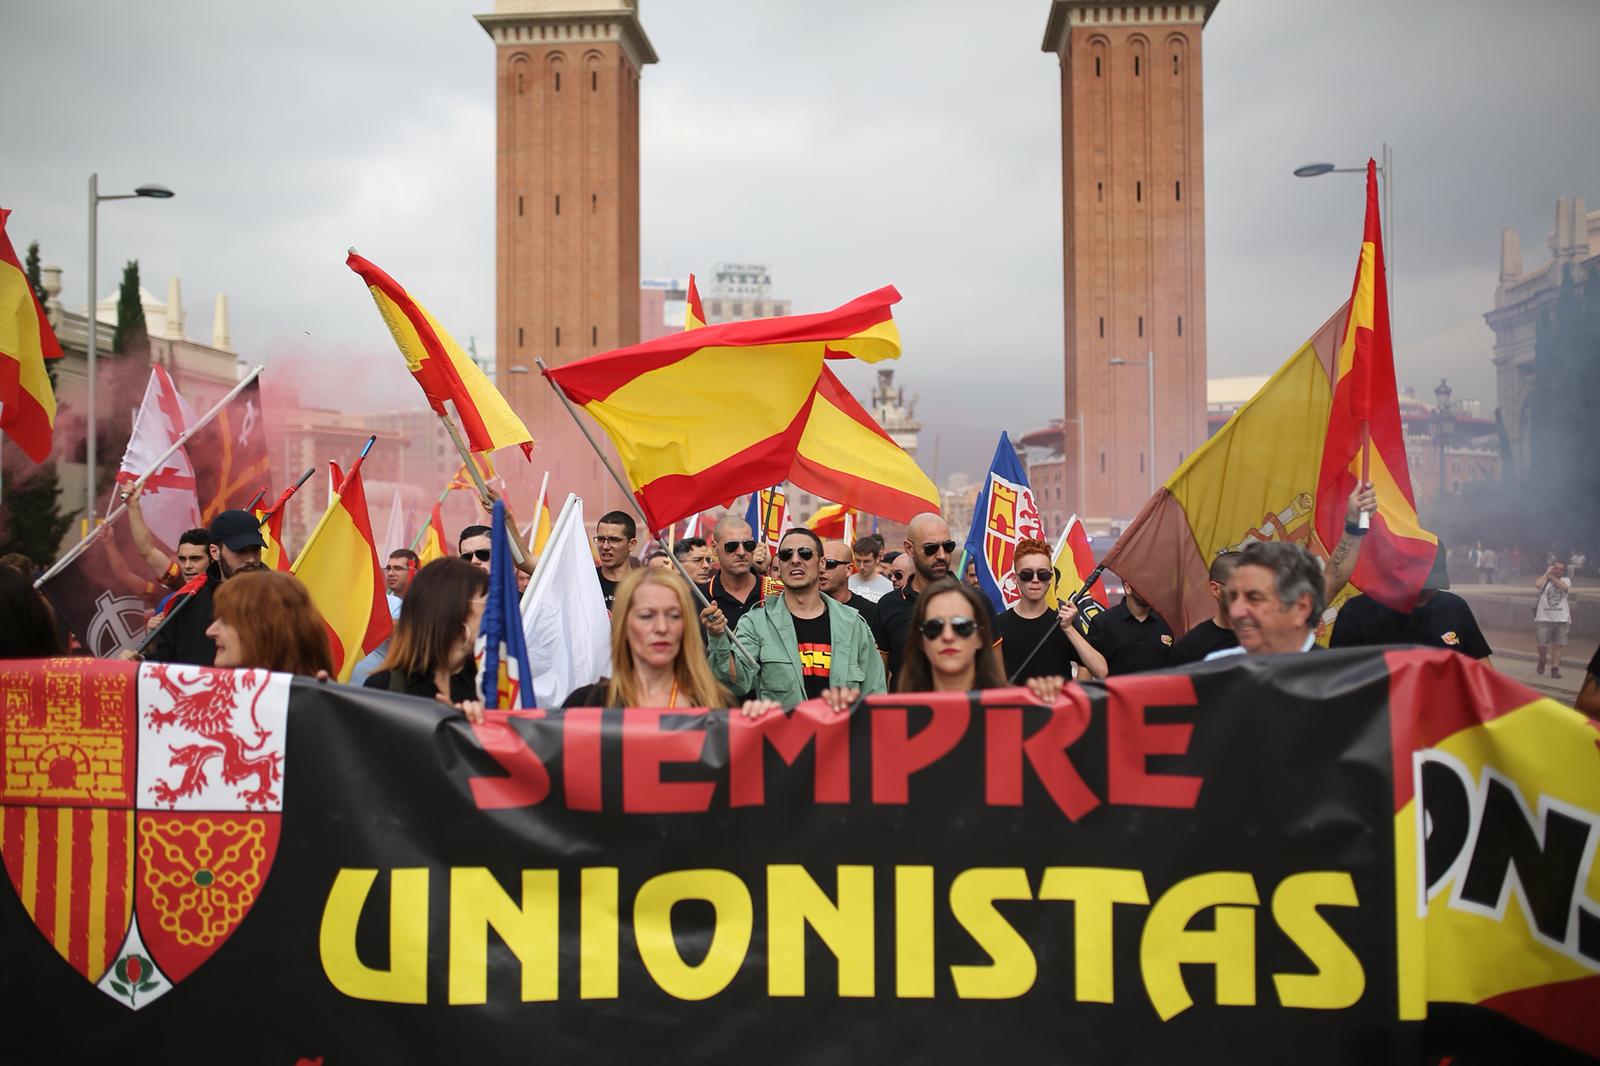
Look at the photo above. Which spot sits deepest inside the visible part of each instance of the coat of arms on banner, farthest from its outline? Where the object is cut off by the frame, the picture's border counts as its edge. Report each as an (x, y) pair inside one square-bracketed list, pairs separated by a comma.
[(1012, 516), (139, 811)]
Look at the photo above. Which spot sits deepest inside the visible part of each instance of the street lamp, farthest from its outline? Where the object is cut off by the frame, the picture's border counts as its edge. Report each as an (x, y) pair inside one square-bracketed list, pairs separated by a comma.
[(1150, 408), (1444, 427), (1386, 177), (146, 192)]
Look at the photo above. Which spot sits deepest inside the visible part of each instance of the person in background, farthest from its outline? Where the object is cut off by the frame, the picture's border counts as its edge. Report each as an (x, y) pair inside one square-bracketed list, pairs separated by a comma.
[(899, 570), (695, 556), (1552, 615), (264, 620), (236, 545), (20, 563), (1489, 563), (155, 555), (430, 652), (399, 570), (407, 571), (804, 643), (952, 649), (1029, 624), (27, 630), (657, 658), (1131, 635), (735, 588), (658, 560), (615, 537), (837, 581), (1441, 619), (1275, 597), (867, 582), (1215, 633), (970, 574), (930, 554)]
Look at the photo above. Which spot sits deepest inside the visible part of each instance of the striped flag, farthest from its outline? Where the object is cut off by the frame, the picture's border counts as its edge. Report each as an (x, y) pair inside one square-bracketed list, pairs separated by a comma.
[(433, 544), (27, 402), (340, 569), (694, 312)]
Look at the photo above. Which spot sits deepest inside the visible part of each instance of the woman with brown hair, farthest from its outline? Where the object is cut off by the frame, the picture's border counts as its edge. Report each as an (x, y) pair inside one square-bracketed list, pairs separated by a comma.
[(951, 649), (265, 620), (430, 653), (658, 658)]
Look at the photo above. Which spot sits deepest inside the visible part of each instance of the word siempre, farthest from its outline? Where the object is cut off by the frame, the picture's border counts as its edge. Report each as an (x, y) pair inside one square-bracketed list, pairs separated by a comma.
[(526, 920)]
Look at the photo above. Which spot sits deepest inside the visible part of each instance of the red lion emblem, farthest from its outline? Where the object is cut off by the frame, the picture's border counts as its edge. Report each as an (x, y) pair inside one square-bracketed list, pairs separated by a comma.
[(209, 713)]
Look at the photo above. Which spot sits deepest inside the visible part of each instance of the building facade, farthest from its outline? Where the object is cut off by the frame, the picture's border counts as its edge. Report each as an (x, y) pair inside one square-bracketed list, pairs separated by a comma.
[(566, 210), (1133, 206), (1519, 300)]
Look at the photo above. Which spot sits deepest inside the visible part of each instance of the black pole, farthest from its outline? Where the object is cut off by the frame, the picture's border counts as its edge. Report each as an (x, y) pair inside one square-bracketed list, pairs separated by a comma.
[(1094, 575), (171, 613)]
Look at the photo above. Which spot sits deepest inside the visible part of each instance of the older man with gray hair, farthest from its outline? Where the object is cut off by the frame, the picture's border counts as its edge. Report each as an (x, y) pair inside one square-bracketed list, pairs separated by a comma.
[(1275, 597)]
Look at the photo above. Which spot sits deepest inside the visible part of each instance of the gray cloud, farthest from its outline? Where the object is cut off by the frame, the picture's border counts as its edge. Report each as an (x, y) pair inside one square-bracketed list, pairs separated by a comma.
[(848, 145)]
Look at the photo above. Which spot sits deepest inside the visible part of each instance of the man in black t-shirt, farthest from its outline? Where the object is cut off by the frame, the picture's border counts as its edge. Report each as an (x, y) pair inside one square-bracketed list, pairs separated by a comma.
[(734, 588), (614, 538), (837, 557), (1440, 619), (1131, 636), (1214, 633), (932, 553), (1030, 621)]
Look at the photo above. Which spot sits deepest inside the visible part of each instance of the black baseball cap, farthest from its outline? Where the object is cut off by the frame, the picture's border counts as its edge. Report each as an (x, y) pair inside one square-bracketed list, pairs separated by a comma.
[(236, 530)]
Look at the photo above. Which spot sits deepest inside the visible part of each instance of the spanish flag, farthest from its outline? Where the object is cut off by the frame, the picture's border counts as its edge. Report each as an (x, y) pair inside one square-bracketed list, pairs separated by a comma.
[(711, 413), (339, 568), (829, 521), (274, 555), (433, 539), (462, 479), (694, 312), (27, 402), (442, 369), (1398, 552)]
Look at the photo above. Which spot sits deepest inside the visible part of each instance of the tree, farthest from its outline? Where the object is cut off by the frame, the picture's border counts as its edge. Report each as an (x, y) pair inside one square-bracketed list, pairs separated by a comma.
[(32, 520), (130, 311), (35, 278)]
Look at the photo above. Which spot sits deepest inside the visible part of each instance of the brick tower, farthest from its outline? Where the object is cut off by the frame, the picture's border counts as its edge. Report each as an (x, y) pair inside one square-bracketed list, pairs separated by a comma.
[(1134, 211), (566, 212)]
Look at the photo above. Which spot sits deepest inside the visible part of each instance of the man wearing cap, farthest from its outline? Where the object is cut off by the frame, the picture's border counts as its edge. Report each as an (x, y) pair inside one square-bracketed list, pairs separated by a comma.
[(235, 549), (1441, 619)]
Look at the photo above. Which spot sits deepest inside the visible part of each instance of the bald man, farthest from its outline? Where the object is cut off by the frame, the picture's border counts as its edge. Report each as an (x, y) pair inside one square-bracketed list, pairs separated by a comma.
[(932, 553)]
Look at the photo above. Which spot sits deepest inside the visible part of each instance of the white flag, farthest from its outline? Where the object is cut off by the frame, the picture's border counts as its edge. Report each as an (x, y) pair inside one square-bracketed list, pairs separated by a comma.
[(564, 613), (395, 538), (168, 503)]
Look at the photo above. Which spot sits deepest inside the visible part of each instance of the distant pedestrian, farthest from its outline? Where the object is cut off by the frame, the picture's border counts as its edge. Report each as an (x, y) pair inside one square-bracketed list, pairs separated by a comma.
[(1552, 616), (867, 581), (1575, 563), (1488, 566)]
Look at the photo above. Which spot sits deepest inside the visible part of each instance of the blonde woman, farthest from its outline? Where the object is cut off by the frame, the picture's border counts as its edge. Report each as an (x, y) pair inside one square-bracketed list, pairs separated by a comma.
[(658, 658)]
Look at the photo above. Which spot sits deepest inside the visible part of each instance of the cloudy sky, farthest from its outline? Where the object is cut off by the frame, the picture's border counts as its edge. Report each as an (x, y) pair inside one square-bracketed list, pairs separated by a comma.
[(846, 144)]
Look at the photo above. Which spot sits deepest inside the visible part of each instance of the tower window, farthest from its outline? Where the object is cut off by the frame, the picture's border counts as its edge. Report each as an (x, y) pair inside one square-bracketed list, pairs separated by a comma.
[(1180, 325), (1135, 66), (1102, 462), (1102, 325), (1138, 191), (519, 336), (558, 203), (594, 202), (1141, 462), (558, 336), (1100, 191), (594, 80), (1177, 191), (1174, 63), (1141, 325), (1097, 66), (519, 207), (594, 334), (519, 83), (558, 81)]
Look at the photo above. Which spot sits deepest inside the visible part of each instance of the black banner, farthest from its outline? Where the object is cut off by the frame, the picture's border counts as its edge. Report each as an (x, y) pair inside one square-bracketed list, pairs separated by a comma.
[(1194, 867)]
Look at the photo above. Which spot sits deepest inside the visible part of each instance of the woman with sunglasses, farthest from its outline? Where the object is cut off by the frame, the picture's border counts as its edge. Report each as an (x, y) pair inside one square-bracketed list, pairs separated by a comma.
[(951, 648), (430, 653), (1034, 640)]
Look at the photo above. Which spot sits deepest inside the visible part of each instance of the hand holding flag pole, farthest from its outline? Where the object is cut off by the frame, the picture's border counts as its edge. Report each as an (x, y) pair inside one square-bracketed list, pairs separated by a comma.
[(180, 600), (477, 479), (700, 597), (1088, 584)]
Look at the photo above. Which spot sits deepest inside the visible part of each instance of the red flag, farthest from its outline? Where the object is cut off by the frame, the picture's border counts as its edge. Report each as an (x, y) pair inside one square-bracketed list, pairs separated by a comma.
[(229, 455)]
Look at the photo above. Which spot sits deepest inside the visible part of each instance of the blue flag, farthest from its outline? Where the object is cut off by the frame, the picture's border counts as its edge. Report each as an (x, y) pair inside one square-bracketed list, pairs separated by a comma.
[(1005, 513), (505, 672)]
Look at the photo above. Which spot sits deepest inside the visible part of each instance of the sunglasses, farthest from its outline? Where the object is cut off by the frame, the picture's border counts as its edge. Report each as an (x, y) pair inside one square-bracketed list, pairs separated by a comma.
[(930, 550), (1026, 576), (806, 554), (483, 555), (833, 564), (731, 546), (933, 628)]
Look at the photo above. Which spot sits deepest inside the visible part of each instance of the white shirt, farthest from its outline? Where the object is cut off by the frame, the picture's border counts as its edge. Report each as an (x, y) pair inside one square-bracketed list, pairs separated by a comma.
[(1223, 653), (873, 590), (1553, 605)]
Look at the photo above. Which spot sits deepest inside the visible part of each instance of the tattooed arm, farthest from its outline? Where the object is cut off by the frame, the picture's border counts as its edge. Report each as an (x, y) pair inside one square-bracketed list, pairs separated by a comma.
[(1342, 560)]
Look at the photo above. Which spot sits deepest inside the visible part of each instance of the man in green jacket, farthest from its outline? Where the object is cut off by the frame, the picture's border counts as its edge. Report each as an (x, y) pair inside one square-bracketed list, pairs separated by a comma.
[(804, 642)]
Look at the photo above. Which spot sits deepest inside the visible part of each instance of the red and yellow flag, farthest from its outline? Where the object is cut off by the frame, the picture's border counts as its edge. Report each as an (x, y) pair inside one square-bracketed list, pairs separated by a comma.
[(711, 413), (1398, 552), (27, 402), (274, 555), (463, 477), (433, 541), (829, 521), (694, 312), (339, 568), (444, 371)]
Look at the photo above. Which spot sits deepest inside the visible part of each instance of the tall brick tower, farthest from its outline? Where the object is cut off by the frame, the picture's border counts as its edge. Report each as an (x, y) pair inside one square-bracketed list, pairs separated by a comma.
[(566, 211), (1134, 210)]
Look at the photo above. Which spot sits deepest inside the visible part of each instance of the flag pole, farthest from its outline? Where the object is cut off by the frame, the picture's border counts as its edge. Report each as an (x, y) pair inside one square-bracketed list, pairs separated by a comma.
[(1094, 575), (477, 478), (278, 504), (257, 498), (116, 512), (677, 563)]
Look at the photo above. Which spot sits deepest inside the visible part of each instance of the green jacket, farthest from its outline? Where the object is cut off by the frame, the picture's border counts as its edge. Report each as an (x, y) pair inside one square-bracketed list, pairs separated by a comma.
[(767, 633)]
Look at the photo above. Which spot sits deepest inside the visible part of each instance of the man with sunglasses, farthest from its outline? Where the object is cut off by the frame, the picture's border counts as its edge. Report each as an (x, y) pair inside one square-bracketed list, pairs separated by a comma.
[(734, 589), (804, 642), (837, 581), (1034, 640), (615, 537), (931, 552)]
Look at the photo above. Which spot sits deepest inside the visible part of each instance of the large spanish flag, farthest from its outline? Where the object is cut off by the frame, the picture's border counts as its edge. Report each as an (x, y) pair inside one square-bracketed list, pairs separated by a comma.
[(27, 402), (711, 413), (1398, 552), (1255, 480), (339, 567), (444, 371)]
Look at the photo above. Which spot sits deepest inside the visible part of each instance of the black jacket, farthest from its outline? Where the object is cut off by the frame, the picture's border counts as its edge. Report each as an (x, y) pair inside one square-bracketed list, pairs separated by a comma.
[(183, 637)]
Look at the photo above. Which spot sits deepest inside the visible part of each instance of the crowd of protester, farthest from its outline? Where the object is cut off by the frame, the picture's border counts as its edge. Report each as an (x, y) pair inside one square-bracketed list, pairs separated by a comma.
[(759, 630)]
